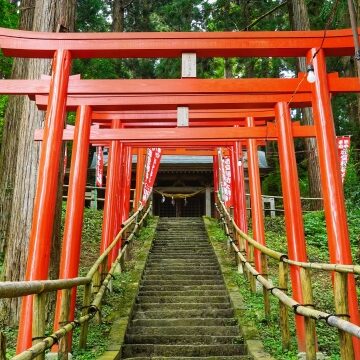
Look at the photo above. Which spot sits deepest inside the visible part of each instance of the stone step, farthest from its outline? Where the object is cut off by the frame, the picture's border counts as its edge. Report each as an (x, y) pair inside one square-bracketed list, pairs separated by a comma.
[(181, 241), (187, 306), (181, 268), (136, 350), (237, 357), (146, 282), (184, 322), (183, 339), (182, 272), (184, 314), (171, 287), (190, 261), (182, 255), (182, 299), (186, 263), (214, 277), (183, 293), (184, 248), (189, 266), (178, 251), (185, 330)]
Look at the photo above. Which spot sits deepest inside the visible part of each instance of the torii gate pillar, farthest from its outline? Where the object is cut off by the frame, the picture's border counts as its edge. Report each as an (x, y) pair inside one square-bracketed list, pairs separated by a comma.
[(240, 213), (257, 213), (292, 206), (71, 245), (111, 205), (334, 202), (46, 190)]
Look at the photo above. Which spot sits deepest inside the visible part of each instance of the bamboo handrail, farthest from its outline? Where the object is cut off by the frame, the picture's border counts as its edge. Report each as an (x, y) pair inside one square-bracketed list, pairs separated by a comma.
[(342, 268), (52, 339), (346, 328), (330, 319), (12, 289)]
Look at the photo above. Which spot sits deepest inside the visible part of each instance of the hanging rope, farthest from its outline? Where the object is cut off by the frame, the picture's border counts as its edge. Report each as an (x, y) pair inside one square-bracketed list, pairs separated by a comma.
[(179, 196)]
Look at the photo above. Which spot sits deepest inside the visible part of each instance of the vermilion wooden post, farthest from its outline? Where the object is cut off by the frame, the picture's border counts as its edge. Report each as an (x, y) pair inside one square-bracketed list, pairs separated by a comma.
[(140, 163), (239, 166), (111, 192), (257, 213), (292, 207), (235, 191), (334, 204), (46, 189), (120, 199), (127, 182), (70, 251)]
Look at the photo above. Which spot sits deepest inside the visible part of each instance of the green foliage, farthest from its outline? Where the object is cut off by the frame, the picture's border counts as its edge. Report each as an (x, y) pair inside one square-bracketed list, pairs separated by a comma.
[(272, 182), (9, 19), (315, 229), (276, 224), (92, 224), (352, 182), (214, 230)]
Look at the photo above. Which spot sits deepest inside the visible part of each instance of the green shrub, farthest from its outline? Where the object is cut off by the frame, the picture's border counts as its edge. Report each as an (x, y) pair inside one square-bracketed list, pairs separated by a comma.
[(315, 229)]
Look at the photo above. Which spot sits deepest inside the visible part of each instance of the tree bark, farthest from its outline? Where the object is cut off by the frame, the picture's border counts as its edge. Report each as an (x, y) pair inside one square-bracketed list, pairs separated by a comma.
[(118, 12), (47, 16), (9, 147), (299, 20)]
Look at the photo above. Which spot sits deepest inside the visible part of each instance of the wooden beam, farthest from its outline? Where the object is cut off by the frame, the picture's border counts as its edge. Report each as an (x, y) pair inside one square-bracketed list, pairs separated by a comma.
[(170, 44), (165, 115), (171, 102), (178, 86), (186, 134)]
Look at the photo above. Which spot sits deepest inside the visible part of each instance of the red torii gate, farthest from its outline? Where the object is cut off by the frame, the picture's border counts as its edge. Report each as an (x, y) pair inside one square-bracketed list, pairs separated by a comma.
[(64, 47)]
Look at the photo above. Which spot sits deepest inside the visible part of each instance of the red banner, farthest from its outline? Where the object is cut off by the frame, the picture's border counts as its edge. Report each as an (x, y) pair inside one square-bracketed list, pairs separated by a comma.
[(225, 179), (343, 143), (99, 166), (153, 157)]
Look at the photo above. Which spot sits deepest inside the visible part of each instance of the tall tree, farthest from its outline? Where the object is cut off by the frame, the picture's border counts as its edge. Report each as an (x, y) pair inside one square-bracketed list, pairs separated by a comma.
[(299, 20), (20, 155)]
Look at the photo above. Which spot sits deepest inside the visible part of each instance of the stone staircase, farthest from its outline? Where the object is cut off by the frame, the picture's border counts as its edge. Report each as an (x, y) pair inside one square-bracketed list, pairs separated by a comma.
[(183, 309)]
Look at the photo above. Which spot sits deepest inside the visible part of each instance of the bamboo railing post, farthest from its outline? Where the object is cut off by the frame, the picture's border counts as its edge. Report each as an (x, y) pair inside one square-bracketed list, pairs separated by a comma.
[(310, 337), (122, 263), (252, 279), (38, 325), (64, 318), (266, 295), (85, 325), (2, 346), (127, 256), (341, 307), (96, 281), (284, 318)]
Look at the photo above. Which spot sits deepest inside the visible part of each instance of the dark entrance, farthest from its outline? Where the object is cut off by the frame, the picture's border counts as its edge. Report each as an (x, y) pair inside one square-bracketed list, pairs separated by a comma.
[(194, 207)]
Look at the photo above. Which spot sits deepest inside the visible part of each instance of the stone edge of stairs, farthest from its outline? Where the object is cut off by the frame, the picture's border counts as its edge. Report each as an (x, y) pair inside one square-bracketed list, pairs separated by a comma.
[(248, 330), (120, 325)]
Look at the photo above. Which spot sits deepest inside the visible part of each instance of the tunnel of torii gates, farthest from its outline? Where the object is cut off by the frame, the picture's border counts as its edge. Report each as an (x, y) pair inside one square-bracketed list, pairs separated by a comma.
[(131, 115)]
